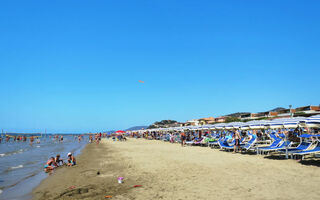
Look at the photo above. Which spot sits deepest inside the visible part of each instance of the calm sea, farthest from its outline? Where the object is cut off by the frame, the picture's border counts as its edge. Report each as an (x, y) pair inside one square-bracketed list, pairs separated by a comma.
[(21, 164)]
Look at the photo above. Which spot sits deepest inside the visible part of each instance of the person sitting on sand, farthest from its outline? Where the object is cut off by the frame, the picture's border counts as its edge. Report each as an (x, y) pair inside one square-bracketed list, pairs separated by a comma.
[(58, 160), (71, 160), (50, 165)]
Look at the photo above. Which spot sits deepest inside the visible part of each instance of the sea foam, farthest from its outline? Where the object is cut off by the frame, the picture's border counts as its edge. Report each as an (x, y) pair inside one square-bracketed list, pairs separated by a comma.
[(16, 167)]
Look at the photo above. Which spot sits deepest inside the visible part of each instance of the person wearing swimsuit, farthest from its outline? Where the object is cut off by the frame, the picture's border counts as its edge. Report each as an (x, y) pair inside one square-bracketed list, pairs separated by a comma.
[(49, 166), (183, 139), (237, 141), (71, 160)]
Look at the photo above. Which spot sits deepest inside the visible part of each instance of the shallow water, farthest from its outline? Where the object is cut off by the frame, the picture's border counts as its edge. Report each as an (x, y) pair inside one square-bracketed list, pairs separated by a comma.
[(21, 164)]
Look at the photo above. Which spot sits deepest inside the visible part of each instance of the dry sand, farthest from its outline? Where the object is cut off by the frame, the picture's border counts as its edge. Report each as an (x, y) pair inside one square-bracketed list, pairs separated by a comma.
[(169, 171)]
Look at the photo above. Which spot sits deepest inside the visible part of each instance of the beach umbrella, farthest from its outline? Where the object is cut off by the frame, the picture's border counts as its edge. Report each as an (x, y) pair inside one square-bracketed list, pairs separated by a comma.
[(257, 124), (220, 126), (313, 121), (276, 123), (292, 122), (120, 131)]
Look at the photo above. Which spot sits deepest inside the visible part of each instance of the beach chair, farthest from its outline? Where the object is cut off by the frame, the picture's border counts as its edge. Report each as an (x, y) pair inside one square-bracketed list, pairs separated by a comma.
[(213, 142), (225, 145), (315, 150), (198, 141), (277, 141), (191, 142), (301, 147), (282, 145), (247, 146)]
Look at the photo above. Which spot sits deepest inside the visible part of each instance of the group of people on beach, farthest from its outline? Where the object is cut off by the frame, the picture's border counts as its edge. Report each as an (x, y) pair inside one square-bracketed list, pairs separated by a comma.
[(20, 138), (97, 138), (237, 136), (55, 162)]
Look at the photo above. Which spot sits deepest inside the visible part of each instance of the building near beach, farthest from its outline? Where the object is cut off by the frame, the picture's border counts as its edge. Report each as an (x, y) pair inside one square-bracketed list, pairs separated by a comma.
[(248, 116), (267, 114), (221, 119), (309, 109), (207, 120), (286, 113)]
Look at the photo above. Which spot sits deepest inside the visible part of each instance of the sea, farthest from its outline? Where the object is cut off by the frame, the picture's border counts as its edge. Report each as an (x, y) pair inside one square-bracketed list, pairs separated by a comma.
[(22, 163)]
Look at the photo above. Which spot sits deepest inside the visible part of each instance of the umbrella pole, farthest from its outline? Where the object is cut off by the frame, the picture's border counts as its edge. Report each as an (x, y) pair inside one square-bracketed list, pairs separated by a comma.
[(286, 134)]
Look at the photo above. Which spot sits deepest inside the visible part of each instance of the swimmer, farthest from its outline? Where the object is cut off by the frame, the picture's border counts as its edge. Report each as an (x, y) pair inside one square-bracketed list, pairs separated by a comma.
[(71, 160), (31, 140)]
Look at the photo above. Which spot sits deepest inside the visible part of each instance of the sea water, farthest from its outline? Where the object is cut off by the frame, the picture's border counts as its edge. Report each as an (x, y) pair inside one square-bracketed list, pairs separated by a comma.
[(21, 164)]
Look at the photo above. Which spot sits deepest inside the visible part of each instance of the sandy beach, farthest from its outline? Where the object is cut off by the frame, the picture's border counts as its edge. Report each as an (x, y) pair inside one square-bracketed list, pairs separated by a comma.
[(169, 171)]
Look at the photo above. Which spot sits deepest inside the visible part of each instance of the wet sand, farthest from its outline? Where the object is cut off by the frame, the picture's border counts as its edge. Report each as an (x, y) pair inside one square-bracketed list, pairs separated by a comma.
[(169, 171)]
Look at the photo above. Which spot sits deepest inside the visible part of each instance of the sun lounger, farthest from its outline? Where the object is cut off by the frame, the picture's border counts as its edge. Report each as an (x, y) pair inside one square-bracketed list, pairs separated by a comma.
[(223, 143), (316, 149), (275, 143), (281, 146), (301, 147), (249, 144)]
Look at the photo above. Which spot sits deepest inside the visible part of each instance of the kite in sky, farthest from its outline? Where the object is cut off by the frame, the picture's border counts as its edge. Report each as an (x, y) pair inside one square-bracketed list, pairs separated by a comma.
[(141, 81)]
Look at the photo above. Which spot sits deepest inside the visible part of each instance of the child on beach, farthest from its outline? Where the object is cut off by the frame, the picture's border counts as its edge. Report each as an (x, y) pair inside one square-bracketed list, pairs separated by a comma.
[(71, 160), (50, 165), (58, 160)]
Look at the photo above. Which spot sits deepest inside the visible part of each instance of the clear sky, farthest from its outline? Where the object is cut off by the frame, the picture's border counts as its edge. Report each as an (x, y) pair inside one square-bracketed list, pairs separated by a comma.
[(75, 66)]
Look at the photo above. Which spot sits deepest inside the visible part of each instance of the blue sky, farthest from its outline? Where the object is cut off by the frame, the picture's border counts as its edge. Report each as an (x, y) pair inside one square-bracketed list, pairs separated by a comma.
[(74, 66)]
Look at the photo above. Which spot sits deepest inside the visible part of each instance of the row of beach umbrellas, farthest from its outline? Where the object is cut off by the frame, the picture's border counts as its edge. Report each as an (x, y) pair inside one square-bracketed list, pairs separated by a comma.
[(294, 122)]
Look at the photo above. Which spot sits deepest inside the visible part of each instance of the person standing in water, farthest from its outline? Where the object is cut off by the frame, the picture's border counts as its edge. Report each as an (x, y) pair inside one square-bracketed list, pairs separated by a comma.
[(31, 140)]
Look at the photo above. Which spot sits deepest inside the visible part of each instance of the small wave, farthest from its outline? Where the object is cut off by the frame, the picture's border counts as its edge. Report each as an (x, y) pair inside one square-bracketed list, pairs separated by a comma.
[(16, 167), (0, 191), (38, 146), (12, 152)]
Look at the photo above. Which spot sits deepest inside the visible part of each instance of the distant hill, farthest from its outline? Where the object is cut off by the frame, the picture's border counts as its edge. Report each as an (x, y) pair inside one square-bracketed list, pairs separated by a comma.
[(164, 124), (136, 128), (276, 109), (238, 114)]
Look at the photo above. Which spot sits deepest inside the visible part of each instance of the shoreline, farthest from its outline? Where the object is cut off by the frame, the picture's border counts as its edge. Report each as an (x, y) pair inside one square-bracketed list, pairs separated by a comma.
[(89, 179), (169, 171), (23, 163)]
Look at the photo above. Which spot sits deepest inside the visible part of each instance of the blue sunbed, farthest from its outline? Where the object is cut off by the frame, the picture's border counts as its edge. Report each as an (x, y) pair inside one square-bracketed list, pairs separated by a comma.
[(302, 146)]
